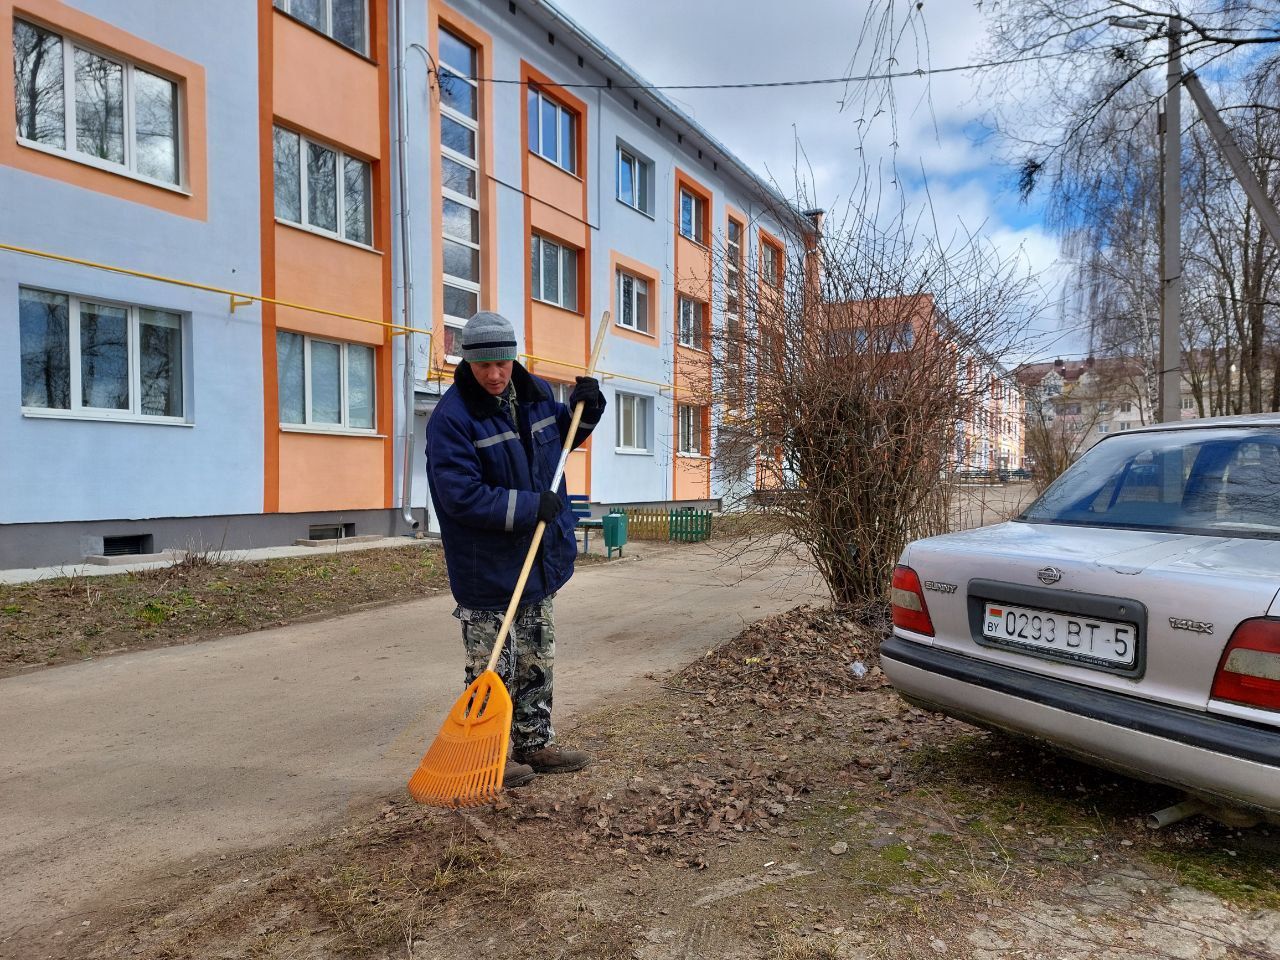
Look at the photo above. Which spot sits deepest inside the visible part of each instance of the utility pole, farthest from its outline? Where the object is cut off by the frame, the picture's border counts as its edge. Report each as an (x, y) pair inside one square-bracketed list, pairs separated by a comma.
[(1170, 393)]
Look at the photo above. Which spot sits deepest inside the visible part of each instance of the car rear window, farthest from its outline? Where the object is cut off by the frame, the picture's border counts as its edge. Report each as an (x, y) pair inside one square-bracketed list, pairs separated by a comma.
[(1213, 481)]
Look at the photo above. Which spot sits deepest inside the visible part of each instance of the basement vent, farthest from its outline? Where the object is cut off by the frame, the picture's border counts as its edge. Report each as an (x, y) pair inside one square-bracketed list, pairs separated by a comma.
[(126, 546), (331, 531)]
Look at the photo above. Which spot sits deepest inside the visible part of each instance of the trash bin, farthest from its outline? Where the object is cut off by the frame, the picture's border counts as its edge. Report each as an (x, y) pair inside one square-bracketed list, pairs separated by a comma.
[(615, 532)]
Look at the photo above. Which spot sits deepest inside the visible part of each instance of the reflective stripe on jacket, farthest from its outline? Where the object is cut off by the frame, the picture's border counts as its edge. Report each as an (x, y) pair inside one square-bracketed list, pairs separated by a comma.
[(486, 480)]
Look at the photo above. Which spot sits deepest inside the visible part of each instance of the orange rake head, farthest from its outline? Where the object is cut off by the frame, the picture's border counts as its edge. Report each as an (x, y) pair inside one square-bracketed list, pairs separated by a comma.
[(464, 766)]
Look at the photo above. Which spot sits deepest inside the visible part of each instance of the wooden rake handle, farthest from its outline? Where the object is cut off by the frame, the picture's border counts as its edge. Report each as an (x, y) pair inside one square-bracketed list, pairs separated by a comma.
[(509, 616)]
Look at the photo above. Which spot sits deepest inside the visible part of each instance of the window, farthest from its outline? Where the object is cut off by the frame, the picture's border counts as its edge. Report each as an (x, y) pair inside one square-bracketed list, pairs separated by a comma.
[(552, 130), (633, 422), (90, 356), (344, 20), (771, 269), (633, 302), (692, 314), (1188, 403), (321, 188), (1126, 407), (554, 270), (635, 179), (693, 216), (459, 176), (560, 391), (1102, 428), (690, 430), (95, 107), (324, 384)]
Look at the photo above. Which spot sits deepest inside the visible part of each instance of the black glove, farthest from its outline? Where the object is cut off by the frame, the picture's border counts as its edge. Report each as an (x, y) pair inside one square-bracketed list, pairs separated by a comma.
[(587, 389), (549, 506)]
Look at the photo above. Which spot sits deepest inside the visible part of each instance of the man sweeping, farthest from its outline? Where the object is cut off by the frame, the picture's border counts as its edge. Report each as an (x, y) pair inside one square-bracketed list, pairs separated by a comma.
[(493, 444)]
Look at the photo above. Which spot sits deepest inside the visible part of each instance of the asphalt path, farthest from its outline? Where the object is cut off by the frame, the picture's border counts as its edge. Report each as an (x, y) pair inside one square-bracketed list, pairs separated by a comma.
[(118, 773)]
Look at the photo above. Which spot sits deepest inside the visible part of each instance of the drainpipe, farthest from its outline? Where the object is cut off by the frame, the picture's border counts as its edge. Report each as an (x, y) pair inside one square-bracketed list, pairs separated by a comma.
[(406, 273)]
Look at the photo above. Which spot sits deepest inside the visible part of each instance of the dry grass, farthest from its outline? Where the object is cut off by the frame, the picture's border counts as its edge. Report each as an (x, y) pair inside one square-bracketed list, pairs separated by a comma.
[(75, 618)]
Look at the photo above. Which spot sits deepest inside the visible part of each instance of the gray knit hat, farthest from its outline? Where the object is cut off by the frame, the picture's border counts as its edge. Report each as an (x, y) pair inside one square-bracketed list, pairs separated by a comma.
[(488, 336)]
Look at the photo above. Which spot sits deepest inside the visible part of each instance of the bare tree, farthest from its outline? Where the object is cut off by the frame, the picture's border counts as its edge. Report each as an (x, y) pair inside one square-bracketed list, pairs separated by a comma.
[(837, 399)]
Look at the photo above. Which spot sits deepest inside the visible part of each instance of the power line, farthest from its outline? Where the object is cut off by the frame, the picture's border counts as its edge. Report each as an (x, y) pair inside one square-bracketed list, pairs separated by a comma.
[(822, 81)]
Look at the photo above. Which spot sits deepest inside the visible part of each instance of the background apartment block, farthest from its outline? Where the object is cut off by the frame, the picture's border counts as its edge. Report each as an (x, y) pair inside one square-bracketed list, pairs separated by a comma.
[(266, 149)]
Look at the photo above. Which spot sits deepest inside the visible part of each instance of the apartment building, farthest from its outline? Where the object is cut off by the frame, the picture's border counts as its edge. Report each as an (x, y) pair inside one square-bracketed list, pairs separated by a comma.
[(240, 241)]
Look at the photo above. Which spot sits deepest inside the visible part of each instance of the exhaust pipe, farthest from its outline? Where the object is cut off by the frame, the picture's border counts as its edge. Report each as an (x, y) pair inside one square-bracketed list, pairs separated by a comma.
[(1179, 811)]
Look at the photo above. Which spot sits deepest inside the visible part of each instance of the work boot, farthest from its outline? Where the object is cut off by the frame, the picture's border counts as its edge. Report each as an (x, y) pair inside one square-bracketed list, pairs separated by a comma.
[(555, 760), (516, 774)]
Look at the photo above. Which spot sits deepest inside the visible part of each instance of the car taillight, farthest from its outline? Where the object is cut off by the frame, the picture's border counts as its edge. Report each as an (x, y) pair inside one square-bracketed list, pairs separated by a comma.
[(1249, 672), (907, 602)]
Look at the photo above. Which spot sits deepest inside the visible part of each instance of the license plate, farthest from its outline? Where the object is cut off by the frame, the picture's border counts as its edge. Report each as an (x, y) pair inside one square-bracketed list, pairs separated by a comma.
[(1062, 636)]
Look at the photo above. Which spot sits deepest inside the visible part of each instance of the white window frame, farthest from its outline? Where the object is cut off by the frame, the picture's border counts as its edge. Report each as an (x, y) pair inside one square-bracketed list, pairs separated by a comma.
[(473, 164), (689, 430), (340, 186), (535, 131), (134, 414), (698, 216), (695, 342), (641, 179), (327, 29), (563, 255), (308, 425), (640, 318), (636, 402), (69, 149)]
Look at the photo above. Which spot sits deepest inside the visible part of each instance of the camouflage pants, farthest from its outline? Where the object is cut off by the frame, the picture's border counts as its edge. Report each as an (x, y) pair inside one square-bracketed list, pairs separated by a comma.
[(525, 666)]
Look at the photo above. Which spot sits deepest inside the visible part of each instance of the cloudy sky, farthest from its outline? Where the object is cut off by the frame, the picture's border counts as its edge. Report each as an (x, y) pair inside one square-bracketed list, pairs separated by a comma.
[(938, 129)]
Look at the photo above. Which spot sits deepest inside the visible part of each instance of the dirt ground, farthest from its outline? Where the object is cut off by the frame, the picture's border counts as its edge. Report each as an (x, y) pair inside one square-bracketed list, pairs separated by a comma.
[(770, 800)]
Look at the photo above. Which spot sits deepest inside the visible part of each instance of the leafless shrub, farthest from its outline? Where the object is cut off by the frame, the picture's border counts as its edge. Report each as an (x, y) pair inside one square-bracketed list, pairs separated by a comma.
[(838, 388)]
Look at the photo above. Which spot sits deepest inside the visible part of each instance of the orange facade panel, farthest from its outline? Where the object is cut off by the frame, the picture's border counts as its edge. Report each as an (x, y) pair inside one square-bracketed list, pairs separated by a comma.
[(324, 89), (694, 276), (330, 473), (322, 272), (692, 478)]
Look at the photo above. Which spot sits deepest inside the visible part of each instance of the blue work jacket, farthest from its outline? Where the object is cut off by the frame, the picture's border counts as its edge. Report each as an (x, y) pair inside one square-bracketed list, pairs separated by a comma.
[(486, 479)]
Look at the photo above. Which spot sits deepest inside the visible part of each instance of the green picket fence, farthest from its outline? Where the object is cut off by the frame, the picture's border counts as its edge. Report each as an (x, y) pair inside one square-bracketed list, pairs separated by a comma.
[(682, 526)]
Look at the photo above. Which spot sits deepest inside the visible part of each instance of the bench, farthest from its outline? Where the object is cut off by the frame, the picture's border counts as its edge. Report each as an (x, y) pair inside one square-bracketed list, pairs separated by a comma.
[(582, 512)]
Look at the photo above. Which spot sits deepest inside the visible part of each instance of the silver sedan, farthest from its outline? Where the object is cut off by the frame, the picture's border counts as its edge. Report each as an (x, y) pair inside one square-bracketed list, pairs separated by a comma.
[(1129, 616)]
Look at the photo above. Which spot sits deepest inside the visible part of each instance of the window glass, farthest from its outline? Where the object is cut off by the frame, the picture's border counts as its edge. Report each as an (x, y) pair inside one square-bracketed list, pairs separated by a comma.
[(155, 120), (310, 12), (549, 131), (38, 82), (550, 272), (348, 23), (458, 178), (627, 291), (452, 341), (359, 386), (322, 187), (458, 54), (160, 363), (535, 269), (461, 221), (461, 261), (642, 305), (43, 333), (104, 356), (288, 175), (1217, 482), (291, 377), (568, 158), (99, 106), (626, 178), (326, 382), (569, 287), (460, 303), (356, 190), (457, 137), (457, 94)]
